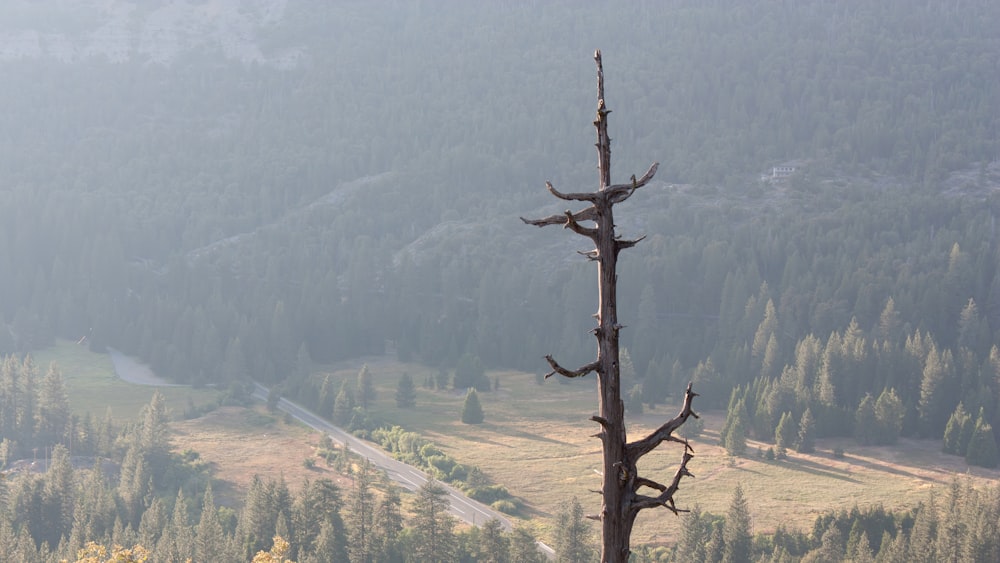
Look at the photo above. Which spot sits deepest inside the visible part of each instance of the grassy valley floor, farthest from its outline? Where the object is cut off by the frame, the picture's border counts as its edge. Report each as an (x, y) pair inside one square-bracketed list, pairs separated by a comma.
[(536, 441)]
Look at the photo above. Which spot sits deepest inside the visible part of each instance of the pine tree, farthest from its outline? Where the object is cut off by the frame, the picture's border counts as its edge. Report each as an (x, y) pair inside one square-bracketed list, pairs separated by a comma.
[(434, 539), (889, 414), (573, 541), (361, 516), (829, 372), (210, 539), (695, 532), (765, 330), (388, 525), (932, 394), (343, 406), (153, 523), (894, 550), (982, 450), (807, 433), (889, 322), (317, 508), (968, 326), (327, 397), (655, 384), (982, 539), (472, 411), (771, 362), (626, 368), (329, 545), (366, 388), (58, 496), (784, 434), (736, 438), (493, 543), (27, 418), (953, 432), (181, 529), (738, 530), (864, 421), (281, 504), (633, 404), (257, 519), (154, 435), (53, 413), (441, 378), (858, 547), (716, 543), (406, 394), (524, 547), (135, 485), (923, 536), (952, 526), (831, 545)]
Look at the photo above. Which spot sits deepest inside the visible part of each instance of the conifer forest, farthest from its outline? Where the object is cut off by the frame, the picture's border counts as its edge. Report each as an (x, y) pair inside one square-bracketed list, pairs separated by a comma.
[(242, 194)]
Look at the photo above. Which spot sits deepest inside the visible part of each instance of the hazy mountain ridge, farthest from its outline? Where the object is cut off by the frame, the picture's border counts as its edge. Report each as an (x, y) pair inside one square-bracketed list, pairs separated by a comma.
[(472, 108), (119, 31)]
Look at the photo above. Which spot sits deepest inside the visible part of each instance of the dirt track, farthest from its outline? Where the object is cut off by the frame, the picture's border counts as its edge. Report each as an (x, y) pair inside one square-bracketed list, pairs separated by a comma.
[(129, 369)]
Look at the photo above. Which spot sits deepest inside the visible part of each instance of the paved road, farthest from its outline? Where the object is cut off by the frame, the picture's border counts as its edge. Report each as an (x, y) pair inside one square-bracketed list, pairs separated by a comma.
[(409, 477)]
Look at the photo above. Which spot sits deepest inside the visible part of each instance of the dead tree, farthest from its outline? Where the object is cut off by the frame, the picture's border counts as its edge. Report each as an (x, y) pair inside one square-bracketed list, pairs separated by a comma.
[(624, 492)]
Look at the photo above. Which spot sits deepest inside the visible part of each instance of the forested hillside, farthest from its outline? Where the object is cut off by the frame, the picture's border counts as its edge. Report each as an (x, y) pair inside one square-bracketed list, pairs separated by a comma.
[(229, 190)]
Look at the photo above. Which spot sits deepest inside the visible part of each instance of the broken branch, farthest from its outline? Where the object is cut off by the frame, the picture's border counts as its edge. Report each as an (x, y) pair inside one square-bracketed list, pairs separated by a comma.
[(620, 192), (588, 214), (666, 496), (579, 229), (641, 447), (579, 196), (622, 244), (556, 368)]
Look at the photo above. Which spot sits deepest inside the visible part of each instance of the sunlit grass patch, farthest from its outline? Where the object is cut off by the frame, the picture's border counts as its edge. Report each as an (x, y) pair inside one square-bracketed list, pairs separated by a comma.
[(93, 386)]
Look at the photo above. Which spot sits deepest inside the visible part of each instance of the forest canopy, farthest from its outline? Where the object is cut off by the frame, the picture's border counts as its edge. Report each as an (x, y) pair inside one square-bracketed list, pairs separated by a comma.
[(225, 217)]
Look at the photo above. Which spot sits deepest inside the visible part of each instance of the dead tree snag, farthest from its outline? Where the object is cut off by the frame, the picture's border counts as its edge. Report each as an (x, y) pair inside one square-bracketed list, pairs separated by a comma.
[(624, 492)]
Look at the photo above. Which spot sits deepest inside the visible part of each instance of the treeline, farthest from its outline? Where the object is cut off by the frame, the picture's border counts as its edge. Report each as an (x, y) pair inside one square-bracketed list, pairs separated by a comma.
[(141, 494), (219, 255), (875, 385), (35, 415), (958, 526)]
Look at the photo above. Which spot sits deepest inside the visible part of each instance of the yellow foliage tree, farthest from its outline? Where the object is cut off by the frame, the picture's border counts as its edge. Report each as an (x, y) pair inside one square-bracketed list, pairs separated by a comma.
[(95, 553), (277, 553)]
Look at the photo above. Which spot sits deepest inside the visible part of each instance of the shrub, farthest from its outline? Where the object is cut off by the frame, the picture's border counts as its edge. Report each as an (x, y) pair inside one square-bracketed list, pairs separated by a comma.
[(488, 494), (505, 506)]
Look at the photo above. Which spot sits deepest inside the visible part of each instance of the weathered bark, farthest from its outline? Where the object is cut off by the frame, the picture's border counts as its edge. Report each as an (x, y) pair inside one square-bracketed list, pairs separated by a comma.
[(620, 492)]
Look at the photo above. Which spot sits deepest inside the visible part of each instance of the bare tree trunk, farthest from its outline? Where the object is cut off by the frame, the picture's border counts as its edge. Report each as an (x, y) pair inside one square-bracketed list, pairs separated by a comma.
[(620, 492)]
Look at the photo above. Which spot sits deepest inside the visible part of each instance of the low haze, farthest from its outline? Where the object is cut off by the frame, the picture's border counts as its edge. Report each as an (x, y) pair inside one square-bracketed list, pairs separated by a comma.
[(319, 201)]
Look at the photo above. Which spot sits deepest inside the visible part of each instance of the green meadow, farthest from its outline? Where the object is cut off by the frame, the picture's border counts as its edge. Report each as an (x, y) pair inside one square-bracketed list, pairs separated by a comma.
[(93, 386)]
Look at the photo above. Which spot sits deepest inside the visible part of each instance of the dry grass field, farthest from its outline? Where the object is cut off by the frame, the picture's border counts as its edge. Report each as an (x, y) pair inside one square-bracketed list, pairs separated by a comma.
[(239, 443), (537, 441)]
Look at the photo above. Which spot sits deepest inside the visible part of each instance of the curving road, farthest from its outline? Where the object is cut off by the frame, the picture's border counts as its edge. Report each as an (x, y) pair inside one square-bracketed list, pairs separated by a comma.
[(409, 477)]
